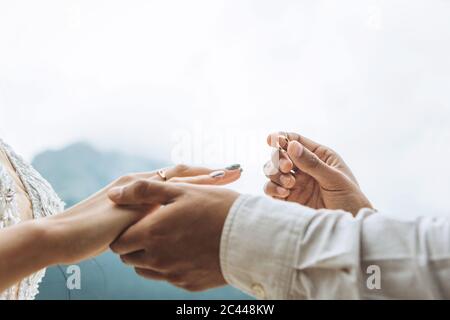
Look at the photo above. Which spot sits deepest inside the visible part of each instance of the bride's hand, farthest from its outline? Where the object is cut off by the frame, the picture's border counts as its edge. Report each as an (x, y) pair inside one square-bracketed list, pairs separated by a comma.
[(311, 174), (88, 228)]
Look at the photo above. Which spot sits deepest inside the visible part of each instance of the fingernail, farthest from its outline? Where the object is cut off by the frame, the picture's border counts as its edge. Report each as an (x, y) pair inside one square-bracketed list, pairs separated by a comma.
[(297, 148), (115, 193), (282, 191), (217, 174), (233, 167)]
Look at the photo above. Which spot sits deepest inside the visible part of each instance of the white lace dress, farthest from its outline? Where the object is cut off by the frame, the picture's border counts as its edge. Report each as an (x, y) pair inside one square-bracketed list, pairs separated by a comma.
[(44, 202)]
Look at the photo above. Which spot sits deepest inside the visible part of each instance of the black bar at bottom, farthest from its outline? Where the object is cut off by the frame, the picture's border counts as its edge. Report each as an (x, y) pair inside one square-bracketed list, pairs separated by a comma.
[(223, 309)]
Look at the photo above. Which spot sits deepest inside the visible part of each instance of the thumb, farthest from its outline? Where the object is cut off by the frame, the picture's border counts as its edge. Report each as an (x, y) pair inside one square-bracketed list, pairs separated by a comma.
[(308, 162), (145, 192)]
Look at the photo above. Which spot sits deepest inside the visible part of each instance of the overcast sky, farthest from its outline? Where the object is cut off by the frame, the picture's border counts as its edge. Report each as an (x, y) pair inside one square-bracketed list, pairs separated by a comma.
[(205, 81)]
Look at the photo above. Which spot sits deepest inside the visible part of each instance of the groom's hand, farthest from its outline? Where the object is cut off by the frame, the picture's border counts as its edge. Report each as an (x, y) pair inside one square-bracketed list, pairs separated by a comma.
[(311, 174), (180, 242)]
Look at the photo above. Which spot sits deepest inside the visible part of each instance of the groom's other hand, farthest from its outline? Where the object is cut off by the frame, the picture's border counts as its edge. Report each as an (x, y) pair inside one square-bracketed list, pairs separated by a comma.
[(180, 242), (311, 174)]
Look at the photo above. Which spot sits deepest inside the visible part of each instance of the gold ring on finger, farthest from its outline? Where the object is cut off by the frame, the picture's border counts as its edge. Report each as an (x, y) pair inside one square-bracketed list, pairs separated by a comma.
[(162, 175)]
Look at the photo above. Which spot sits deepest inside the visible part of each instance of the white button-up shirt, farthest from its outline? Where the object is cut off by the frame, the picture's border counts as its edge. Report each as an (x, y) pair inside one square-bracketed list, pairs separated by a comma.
[(279, 250)]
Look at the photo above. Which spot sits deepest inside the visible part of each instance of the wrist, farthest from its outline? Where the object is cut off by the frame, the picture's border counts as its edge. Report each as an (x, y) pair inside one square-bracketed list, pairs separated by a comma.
[(70, 234), (87, 229), (42, 231)]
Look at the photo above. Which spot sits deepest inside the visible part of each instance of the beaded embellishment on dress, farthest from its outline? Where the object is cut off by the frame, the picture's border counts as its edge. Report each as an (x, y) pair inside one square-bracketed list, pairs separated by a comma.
[(44, 202)]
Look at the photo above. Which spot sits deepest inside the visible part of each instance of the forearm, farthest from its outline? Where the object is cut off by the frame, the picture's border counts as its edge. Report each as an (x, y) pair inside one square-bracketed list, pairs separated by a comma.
[(87, 229), (81, 232), (24, 249), (276, 250)]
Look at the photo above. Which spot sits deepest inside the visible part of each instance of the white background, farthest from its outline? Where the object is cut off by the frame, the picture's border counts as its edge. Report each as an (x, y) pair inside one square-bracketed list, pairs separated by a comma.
[(178, 79)]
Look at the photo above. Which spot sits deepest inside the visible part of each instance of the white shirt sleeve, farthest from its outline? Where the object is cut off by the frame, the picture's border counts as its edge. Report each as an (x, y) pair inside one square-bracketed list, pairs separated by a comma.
[(279, 250)]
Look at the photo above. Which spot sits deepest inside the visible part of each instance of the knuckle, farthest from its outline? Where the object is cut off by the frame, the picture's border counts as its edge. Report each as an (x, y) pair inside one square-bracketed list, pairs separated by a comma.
[(153, 236), (313, 162), (287, 181), (125, 179), (151, 246), (286, 165), (269, 188), (180, 168), (141, 188), (118, 246), (144, 273), (330, 152), (175, 277), (191, 287), (124, 259), (330, 155), (115, 248), (156, 258), (275, 179), (157, 262), (139, 272)]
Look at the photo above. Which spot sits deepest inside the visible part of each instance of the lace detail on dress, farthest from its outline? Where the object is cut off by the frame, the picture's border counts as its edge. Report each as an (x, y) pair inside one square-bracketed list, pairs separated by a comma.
[(44, 201), (8, 203), (43, 198)]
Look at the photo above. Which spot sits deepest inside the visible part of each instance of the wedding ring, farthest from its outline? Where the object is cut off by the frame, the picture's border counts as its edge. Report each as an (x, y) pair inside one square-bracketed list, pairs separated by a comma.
[(162, 175)]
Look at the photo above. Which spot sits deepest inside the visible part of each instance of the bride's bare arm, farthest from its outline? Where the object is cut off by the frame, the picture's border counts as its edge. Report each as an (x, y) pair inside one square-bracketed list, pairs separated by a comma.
[(23, 250), (85, 230), (82, 232)]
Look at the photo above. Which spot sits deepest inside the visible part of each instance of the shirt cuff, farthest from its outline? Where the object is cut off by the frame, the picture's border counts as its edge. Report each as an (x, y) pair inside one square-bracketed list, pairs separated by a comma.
[(258, 246)]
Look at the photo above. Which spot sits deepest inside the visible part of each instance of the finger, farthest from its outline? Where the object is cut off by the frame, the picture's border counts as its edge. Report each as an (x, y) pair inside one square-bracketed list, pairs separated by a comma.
[(151, 274), (281, 160), (218, 177), (135, 259), (301, 179), (214, 177), (274, 190), (145, 192), (131, 239), (279, 157), (284, 180), (310, 163), (306, 142), (279, 139), (275, 138), (182, 170), (269, 169)]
